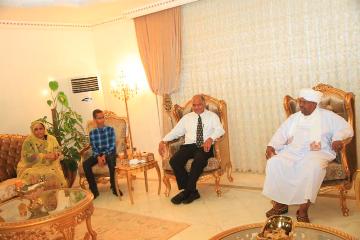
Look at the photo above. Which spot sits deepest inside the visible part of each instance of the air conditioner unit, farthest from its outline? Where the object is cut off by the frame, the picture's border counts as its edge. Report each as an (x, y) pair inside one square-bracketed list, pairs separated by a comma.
[(86, 95)]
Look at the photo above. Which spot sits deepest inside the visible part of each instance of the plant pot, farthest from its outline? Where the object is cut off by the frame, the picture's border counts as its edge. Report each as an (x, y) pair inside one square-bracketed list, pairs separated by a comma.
[(69, 175)]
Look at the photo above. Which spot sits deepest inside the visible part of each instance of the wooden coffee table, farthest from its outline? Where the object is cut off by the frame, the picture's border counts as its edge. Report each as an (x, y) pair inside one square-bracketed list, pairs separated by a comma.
[(303, 231), (58, 213), (124, 168)]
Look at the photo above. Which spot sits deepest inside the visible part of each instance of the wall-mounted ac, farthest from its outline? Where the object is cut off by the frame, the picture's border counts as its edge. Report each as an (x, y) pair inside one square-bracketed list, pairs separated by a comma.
[(85, 96)]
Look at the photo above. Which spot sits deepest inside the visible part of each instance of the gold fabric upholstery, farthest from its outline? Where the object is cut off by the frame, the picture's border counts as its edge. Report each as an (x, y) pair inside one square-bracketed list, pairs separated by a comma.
[(339, 172), (119, 124), (10, 154), (219, 164)]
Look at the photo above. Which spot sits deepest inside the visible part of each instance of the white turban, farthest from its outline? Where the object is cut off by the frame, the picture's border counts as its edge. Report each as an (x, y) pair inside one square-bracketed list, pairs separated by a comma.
[(310, 95)]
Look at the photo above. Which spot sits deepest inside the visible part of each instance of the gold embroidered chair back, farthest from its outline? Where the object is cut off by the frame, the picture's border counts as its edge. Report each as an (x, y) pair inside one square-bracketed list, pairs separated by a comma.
[(340, 172), (220, 163)]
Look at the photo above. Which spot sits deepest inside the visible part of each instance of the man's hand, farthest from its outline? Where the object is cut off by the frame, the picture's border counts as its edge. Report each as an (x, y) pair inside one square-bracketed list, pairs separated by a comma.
[(207, 144), (161, 149), (270, 151), (337, 145), (101, 160)]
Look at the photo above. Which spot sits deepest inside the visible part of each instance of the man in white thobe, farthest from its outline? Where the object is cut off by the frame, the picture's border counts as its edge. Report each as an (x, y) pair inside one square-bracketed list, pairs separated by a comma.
[(299, 152)]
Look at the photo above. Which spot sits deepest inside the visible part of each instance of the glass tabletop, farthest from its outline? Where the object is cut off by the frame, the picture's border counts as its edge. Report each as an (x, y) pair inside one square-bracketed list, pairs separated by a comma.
[(301, 232), (125, 165), (42, 204)]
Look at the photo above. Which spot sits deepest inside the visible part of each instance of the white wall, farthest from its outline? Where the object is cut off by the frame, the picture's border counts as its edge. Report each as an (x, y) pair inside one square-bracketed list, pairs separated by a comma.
[(116, 50), (30, 57)]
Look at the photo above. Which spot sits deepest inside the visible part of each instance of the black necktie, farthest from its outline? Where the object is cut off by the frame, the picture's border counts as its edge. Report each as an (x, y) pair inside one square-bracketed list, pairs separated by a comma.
[(199, 133)]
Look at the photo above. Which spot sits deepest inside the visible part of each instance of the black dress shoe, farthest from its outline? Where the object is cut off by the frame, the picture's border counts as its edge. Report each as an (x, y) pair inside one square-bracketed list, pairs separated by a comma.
[(115, 193), (180, 197), (193, 196)]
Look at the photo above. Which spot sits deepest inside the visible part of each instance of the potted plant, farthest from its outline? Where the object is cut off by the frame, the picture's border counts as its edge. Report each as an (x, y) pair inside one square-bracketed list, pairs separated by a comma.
[(67, 127)]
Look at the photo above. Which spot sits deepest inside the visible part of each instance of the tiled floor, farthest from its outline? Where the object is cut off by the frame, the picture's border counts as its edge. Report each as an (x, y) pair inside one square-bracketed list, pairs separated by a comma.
[(241, 203)]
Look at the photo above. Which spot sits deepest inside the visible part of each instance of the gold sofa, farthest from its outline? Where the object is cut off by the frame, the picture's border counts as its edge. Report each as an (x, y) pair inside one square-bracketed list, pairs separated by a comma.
[(102, 173), (219, 164), (10, 154), (340, 172)]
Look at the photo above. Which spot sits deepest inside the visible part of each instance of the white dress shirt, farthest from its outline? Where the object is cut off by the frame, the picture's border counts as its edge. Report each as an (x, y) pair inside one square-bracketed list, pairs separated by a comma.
[(188, 124)]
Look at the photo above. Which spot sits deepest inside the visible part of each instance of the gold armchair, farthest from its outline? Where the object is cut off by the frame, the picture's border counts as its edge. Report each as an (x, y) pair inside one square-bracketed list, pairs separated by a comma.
[(102, 173), (340, 172), (219, 164)]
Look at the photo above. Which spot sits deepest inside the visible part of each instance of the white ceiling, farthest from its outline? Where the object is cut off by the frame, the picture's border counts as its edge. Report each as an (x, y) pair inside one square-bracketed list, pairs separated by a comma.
[(43, 3), (80, 11)]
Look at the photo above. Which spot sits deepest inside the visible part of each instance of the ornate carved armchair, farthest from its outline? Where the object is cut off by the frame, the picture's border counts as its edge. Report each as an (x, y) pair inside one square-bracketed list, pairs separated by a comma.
[(102, 173), (340, 172), (219, 164)]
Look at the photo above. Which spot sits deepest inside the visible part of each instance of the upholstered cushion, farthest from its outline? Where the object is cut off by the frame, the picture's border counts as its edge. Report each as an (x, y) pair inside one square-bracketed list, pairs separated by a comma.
[(7, 189), (213, 164), (334, 171), (329, 102), (10, 154)]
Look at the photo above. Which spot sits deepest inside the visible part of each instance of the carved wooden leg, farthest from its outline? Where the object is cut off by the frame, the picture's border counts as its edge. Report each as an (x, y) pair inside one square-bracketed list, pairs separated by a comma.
[(228, 173), (90, 232), (146, 181), (129, 183), (217, 184), (344, 208), (166, 181), (357, 186), (159, 177)]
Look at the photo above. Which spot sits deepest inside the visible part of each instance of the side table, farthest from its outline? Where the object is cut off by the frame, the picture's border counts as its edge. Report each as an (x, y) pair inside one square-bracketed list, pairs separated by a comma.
[(124, 168)]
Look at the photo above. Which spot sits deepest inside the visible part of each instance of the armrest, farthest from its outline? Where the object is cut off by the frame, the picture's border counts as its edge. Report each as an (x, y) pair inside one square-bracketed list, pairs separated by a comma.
[(344, 160), (347, 141), (357, 186), (171, 148), (217, 147)]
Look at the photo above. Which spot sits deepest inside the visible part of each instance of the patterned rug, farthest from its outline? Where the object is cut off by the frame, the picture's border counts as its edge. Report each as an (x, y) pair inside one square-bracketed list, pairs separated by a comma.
[(115, 225)]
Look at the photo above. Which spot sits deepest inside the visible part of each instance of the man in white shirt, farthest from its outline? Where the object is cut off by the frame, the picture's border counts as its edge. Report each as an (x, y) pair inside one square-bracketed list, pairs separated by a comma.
[(299, 152), (201, 128)]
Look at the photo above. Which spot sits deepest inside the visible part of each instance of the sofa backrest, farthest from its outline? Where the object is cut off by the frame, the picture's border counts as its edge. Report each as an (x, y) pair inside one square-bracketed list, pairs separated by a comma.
[(10, 154)]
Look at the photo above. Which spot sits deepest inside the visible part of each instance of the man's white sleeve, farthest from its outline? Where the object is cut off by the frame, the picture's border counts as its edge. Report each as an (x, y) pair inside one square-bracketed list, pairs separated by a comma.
[(218, 128), (341, 128), (280, 137), (178, 131)]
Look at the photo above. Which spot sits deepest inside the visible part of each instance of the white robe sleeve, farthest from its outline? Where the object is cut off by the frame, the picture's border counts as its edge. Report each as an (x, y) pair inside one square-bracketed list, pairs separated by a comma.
[(341, 129), (178, 131), (281, 136)]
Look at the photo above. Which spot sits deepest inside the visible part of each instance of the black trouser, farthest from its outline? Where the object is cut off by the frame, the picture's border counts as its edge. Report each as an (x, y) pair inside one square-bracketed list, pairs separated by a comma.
[(178, 161), (90, 162)]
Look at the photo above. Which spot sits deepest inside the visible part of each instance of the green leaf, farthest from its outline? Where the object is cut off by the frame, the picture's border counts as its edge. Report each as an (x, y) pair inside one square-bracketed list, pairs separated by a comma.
[(53, 85), (62, 98), (49, 102)]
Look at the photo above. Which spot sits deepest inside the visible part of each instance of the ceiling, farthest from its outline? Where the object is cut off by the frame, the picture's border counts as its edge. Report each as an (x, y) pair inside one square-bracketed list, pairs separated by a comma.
[(56, 3), (68, 11)]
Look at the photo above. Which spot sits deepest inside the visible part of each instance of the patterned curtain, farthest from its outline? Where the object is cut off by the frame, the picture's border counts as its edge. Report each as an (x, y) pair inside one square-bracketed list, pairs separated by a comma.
[(253, 52)]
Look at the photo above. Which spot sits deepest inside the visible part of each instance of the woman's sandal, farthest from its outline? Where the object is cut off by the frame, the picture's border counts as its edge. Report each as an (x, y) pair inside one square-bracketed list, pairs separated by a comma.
[(304, 219), (277, 211)]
